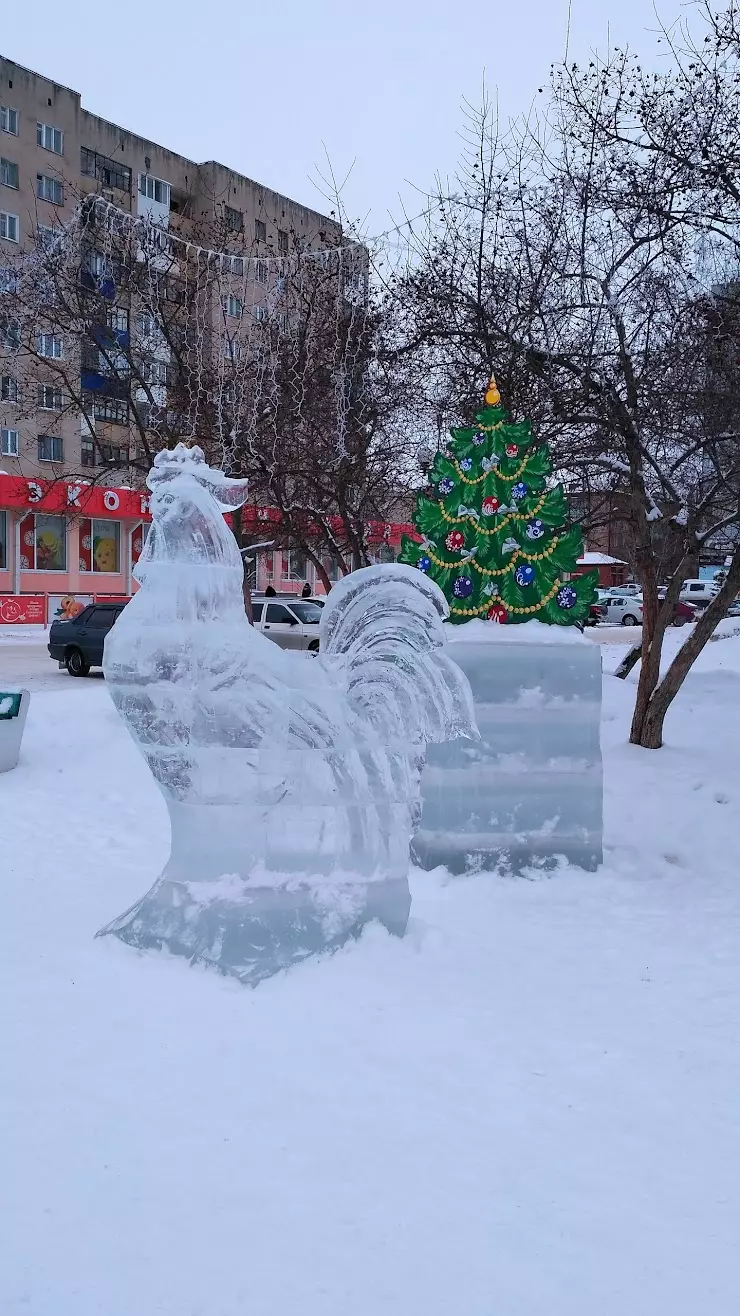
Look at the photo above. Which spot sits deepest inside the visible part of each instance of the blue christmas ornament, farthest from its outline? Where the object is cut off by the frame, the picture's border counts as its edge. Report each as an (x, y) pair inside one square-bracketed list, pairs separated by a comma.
[(534, 529), (463, 587), (566, 597), (446, 486), (424, 563), (478, 438), (524, 574), (465, 464), (519, 491)]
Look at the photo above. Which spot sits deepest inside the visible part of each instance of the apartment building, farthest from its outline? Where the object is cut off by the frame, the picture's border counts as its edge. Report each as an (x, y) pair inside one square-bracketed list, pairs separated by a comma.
[(57, 537)]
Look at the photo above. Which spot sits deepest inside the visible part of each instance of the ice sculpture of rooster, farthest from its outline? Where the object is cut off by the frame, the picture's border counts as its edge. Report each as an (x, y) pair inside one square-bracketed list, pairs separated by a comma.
[(292, 782)]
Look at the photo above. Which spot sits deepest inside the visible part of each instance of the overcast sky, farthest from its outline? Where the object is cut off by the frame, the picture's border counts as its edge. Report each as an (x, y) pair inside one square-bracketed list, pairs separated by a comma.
[(262, 86)]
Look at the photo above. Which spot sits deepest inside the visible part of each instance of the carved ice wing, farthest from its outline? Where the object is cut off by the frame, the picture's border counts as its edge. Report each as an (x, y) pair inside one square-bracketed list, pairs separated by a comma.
[(382, 628)]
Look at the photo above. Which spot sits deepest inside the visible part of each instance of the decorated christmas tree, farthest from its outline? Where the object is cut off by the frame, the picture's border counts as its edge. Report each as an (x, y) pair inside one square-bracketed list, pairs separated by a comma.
[(495, 537)]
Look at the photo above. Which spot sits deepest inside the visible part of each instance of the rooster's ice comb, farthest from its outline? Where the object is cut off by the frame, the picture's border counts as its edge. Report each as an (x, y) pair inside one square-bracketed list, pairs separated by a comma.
[(173, 463)]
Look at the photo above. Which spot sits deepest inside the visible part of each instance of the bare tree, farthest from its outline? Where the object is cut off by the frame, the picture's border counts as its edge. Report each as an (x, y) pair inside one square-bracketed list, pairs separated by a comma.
[(268, 361), (560, 258)]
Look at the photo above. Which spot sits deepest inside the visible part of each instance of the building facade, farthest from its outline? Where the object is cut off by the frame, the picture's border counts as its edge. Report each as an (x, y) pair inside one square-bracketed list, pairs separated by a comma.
[(72, 517)]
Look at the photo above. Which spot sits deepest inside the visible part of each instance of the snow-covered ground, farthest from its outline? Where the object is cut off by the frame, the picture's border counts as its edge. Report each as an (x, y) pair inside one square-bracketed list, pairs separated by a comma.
[(528, 1107)]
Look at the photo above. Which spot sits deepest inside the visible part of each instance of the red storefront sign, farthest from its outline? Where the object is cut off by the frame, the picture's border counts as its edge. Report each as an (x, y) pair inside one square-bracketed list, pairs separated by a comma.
[(22, 609), (55, 497), (93, 501)]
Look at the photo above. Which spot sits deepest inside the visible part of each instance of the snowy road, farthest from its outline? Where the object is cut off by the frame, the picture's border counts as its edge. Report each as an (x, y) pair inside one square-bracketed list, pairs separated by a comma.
[(528, 1106)]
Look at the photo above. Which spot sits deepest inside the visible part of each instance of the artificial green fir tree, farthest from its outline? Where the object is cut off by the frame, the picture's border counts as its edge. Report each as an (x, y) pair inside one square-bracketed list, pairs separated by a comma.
[(495, 538)]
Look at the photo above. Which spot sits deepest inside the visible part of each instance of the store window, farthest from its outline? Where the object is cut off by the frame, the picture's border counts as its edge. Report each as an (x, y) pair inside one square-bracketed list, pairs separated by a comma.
[(294, 564), (139, 536), (100, 546), (43, 543)]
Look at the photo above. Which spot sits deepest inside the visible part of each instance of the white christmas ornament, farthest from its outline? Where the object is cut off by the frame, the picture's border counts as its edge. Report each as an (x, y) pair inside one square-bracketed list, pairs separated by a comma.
[(292, 785)]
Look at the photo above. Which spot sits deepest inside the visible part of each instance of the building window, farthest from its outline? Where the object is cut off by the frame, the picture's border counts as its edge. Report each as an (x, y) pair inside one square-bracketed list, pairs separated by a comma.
[(260, 271), (10, 335), (155, 372), (260, 230), (9, 443), (232, 305), (8, 389), (8, 279), (8, 173), (52, 139), (49, 345), (108, 172), (282, 242), (8, 226), (234, 219), (49, 189), (100, 546), (8, 120), (50, 449), (115, 412), (155, 189), (87, 452), (295, 564), (117, 320), (50, 398), (231, 349), (44, 543), (233, 265), (111, 454), (48, 236), (259, 313), (3, 541)]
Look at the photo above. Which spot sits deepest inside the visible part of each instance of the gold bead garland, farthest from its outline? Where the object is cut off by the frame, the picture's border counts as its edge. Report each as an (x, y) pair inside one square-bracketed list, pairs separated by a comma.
[(507, 479), (519, 612), (484, 571), (510, 516)]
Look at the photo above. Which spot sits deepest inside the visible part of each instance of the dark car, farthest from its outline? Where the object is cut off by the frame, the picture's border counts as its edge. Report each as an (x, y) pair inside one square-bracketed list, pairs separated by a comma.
[(78, 644)]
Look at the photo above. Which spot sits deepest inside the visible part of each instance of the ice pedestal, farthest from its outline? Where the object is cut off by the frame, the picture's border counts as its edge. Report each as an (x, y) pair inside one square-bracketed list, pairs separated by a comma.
[(251, 889), (531, 789)]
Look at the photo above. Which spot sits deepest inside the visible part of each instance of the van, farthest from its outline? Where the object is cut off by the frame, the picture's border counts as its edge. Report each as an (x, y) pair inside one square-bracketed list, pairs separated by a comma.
[(698, 591)]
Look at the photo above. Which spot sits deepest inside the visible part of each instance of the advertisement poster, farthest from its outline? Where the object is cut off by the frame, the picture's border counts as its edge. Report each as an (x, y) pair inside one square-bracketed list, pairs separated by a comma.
[(22, 610), (63, 607)]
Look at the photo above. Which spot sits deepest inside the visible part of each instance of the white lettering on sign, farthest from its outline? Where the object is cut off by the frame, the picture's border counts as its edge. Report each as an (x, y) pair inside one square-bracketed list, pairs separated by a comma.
[(73, 495), (35, 492), (111, 500), (144, 506)]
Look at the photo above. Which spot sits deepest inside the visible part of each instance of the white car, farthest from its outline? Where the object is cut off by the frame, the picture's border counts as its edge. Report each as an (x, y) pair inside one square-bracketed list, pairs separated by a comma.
[(288, 620), (621, 610), (698, 591)]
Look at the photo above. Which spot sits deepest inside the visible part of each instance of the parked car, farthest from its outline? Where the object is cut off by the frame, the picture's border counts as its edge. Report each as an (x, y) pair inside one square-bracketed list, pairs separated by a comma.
[(291, 622), (621, 610), (77, 643), (700, 592)]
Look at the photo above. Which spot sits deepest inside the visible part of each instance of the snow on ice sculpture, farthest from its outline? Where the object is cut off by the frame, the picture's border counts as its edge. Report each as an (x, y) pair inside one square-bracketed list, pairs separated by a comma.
[(292, 782)]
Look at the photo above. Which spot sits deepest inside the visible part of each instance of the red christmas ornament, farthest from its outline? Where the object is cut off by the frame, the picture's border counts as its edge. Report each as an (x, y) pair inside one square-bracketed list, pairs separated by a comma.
[(512, 450), (490, 505), (497, 612), (455, 540)]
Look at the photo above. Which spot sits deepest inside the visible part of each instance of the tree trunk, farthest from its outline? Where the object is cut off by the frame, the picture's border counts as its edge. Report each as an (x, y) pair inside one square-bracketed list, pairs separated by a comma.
[(652, 729), (236, 517), (652, 645)]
